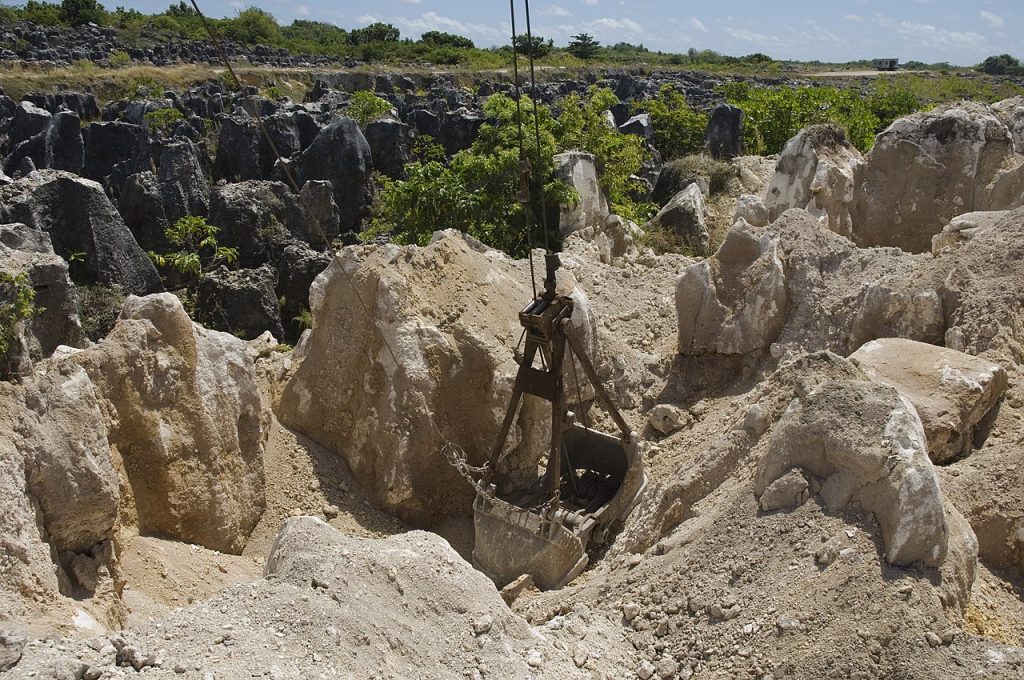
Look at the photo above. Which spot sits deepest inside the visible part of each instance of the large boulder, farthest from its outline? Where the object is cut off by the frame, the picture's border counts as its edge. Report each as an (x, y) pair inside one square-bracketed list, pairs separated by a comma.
[(725, 132), (58, 146), (684, 216), (241, 302), (926, 169), (238, 151), (28, 121), (734, 302), (24, 250), (185, 417), (261, 218), (953, 392), (83, 226), (864, 443), (299, 266), (816, 171), (449, 312), (1011, 112), (183, 185), (341, 155), (390, 145), (110, 144), (577, 170)]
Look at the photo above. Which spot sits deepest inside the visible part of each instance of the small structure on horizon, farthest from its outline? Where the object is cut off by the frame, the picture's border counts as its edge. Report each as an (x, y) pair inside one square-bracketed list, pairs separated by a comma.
[(886, 64)]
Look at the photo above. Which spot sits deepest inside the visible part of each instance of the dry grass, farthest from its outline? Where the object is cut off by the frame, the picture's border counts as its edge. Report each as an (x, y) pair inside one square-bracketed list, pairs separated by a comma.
[(108, 84)]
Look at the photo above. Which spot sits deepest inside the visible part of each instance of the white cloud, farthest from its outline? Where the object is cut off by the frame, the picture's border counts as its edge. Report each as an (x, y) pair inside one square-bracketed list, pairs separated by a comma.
[(618, 24), (993, 20), (698, 24), (237, 4), (592, 3), (554, 11), (929, 35), (367, 19), (303, 10), (411, 2), (853, 17), (432, 21)]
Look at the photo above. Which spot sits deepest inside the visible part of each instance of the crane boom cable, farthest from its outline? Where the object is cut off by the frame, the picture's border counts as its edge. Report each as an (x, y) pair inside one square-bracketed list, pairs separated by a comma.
[(536, 129), (522, 153)]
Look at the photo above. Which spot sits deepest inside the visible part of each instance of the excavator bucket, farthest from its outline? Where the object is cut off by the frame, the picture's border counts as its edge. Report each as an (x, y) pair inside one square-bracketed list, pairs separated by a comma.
[(604, 483)]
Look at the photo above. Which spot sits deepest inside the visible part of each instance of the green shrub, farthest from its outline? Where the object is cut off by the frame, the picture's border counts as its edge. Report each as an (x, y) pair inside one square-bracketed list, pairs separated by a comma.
[(45, 13), (119, 59), (774, 115), (162, 121), (197, 249), (476, 191), (1003, 64), (889, 101), (447, 40), (253, 25), (16, 305), (678, 129), (78, 12), (365, 107), (617, 157)]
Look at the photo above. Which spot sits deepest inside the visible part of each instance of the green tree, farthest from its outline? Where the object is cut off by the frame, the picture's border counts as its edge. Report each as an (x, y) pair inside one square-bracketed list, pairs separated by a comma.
[(443, 39), (1003, 64), (365, 107), (78, 12), (583, 46), (375, 32), (540, 47), (253, 25), (182, 9)]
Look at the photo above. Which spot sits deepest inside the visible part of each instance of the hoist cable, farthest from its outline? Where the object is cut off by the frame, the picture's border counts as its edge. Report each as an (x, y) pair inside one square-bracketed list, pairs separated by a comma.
[(536, 130), (522, 154)]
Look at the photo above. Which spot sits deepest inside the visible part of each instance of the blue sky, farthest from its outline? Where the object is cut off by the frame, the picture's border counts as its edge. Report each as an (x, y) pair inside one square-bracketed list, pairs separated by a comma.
[(958, 31)]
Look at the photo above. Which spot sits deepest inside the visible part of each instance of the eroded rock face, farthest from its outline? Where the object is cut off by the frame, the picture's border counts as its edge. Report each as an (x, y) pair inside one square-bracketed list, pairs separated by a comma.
[(734, 302), (1011, 112), (341, 155), (449, 312), (953, 392), (684, 216), (816, 171), (81, 219), (577, 170), (926, 169), (185, 416), (865, 443)]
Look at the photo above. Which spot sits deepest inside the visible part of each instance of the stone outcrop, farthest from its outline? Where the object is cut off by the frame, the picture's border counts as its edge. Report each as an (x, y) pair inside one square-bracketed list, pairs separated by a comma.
[(185, 417), (82, 224), (449, 313), (816, 171), (341, 155), (241, 302), (953, 392), (577, 170), (929, 167), (684, 216), (55, 322), (734, 302), (875, 455)]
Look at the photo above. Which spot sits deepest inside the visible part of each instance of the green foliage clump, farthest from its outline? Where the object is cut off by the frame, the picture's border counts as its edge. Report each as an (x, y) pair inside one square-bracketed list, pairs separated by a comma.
[(119, 59), (365, 107), (538, 46), (443, 39), (16, 305), (1002, 64), (253, 25), (197, 248), (375, 32), (162, 121), (44, 13), (678, 128), (79, 12), (889, 101), (771, 116), (476, 191), (583, 46), (617, 157)]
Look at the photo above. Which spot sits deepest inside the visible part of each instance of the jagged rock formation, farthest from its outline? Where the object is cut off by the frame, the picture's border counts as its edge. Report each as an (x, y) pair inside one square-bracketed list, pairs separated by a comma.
[(929, 167)]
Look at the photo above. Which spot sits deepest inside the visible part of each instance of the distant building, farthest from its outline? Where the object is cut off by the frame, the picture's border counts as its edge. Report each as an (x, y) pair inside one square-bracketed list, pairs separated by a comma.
[(886, 64)]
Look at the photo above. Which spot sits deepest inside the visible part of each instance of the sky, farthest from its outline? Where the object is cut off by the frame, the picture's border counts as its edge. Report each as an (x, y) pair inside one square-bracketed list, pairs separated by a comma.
[(961, 32)]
